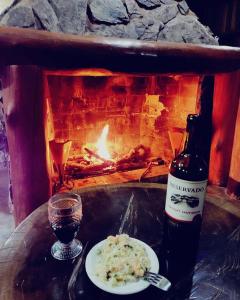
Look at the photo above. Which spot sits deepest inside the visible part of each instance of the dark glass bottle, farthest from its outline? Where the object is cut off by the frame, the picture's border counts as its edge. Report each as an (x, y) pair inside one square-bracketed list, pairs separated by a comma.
[(187, 182)]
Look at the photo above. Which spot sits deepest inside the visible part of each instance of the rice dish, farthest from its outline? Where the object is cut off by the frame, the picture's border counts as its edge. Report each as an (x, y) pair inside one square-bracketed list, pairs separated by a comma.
[(121, 260)]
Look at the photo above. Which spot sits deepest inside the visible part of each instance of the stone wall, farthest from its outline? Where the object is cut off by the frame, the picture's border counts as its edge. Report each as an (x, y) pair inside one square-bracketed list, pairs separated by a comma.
[(4, 157), (138, 110), (154, 20), (5, 4)]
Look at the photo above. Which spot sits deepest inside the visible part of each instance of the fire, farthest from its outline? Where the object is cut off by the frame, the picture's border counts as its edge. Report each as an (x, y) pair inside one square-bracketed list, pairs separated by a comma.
[(102, 149)]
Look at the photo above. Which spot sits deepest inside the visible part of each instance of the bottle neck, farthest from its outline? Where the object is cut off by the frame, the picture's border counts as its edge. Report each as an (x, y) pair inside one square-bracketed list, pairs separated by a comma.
[(190, 145)]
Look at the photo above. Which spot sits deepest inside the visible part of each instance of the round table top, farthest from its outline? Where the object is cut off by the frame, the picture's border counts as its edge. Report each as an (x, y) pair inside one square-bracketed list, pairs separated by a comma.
[(28, 271)]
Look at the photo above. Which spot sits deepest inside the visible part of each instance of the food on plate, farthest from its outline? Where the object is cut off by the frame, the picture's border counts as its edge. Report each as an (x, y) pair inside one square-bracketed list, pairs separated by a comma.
[(121, 260)]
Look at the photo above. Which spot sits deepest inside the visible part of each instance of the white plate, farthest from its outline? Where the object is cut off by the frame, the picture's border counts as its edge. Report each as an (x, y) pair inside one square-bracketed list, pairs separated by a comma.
[(129, 288)]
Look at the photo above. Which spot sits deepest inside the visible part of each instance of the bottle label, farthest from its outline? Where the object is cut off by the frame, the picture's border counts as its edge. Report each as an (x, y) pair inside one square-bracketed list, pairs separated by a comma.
[(184, 198)]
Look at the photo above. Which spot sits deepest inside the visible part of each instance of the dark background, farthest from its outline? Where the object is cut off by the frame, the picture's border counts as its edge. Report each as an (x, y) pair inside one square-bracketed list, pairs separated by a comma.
[(222, 16)]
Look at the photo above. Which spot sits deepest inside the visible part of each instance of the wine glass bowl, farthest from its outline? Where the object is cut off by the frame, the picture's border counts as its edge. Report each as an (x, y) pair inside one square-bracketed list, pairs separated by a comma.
[(65, 214)]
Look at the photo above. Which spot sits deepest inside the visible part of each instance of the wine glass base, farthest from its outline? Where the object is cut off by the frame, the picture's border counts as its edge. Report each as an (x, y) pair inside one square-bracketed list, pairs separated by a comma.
[(62, 251)]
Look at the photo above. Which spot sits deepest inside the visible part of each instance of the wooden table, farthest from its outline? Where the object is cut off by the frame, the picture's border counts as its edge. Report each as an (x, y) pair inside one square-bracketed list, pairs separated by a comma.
[(28, 271)]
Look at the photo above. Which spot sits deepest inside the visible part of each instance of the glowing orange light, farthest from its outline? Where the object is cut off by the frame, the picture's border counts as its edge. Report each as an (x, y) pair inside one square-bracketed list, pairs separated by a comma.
[(102, 149)]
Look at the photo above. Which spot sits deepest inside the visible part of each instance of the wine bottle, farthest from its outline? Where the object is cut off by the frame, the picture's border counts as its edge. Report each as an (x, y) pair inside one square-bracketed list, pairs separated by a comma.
[(187, 183)]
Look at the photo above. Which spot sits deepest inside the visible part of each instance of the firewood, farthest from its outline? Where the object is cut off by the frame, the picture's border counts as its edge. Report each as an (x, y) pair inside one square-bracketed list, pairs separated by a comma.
[(75, 165), (131, 165), (79, 168), (137, 158), (139, 153), (94, 154), (78, 158)]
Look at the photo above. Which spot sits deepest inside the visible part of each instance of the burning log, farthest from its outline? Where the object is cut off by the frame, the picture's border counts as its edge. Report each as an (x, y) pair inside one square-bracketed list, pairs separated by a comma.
[(136, 158), (139, 153), (79, 159), (82, 170), (131, 165), (94, 154)]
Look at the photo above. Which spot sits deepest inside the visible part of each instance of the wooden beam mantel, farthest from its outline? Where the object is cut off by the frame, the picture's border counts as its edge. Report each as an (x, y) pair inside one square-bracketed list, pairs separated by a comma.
[(58, 50)]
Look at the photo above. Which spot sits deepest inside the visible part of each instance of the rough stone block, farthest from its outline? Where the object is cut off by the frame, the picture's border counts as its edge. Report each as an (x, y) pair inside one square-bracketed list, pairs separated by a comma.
[(108, 11), (132, 7), (118, 30), (72, 15), (5, 4), (46, 15), (147, 28), (187, 29), (165, 13), (130, 31), (149, 3), (183, 7), (21, 16), (168, 1), (137, 19), (143, 24)]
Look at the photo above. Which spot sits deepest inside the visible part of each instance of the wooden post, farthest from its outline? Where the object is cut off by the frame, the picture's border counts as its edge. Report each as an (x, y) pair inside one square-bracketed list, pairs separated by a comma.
[(205, 101), (225, 106), (25, 123), (233, 186)]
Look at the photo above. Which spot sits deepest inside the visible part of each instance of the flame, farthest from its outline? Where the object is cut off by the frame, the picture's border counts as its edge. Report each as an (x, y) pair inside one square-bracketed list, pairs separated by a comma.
[(102, 149)]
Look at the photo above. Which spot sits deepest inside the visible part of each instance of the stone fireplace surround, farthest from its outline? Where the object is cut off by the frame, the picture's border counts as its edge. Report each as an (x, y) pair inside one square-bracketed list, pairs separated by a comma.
[(25, 107), (150, 20), (58, 52)]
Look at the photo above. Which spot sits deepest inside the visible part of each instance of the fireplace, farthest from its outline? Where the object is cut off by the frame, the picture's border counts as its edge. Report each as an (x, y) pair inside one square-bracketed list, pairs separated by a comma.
[(65, 92), (113, 123)]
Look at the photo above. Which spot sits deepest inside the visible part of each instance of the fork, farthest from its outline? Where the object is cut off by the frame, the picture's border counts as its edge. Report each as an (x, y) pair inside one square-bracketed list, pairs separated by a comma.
[(157, 280)]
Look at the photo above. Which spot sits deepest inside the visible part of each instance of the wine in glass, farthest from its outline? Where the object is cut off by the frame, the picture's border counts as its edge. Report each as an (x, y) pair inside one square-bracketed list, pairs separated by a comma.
[(65, 214)]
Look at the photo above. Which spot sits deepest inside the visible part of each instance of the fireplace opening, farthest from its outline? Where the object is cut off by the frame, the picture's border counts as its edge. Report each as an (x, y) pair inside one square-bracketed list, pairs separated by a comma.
[(104, 127)]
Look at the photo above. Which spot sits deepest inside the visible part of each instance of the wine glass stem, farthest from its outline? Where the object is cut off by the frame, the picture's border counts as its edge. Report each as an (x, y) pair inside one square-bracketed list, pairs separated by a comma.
[(68, 245)]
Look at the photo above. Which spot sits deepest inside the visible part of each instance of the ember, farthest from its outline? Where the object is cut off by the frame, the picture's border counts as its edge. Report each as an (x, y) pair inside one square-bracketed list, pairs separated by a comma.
[(99, 161)]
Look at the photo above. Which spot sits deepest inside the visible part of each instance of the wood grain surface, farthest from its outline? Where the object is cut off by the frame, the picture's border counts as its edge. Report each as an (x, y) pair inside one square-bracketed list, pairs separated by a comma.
[(25, 124), (29, 272), (57, 50)]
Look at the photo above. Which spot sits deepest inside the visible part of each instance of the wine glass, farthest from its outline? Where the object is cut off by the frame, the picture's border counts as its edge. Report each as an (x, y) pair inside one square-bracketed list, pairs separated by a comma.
[(65, 214)]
